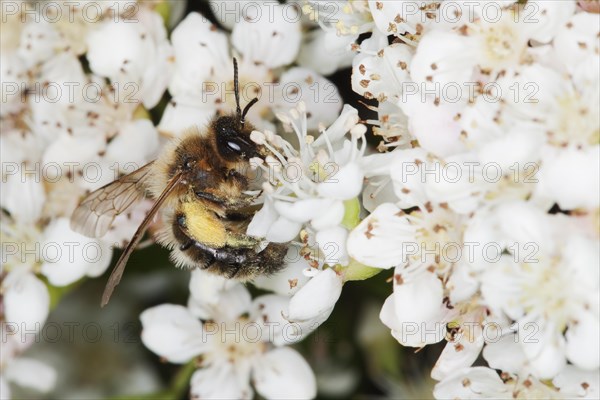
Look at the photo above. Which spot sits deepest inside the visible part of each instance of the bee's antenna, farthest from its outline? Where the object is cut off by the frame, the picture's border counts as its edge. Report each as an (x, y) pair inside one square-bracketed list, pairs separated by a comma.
[(247, 108), (236, 89)]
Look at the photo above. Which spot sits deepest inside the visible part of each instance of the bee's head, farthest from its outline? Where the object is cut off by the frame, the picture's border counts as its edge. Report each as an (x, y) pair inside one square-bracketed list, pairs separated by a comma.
[(232, 140), (231, 133)]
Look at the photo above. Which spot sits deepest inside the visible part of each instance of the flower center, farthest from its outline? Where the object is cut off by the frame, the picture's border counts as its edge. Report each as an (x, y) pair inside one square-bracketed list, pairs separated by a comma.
[(20, 245), (437, 238), (502, 45), (236, 341), (576, 123), (547, 292)]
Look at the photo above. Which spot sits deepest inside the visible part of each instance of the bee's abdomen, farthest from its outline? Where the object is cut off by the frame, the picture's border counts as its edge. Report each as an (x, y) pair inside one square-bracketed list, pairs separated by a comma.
[(242, 262)]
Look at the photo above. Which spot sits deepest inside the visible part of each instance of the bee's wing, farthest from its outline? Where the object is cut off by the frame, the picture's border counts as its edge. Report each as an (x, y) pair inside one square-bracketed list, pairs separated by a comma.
[(98, 210), (117, 272)]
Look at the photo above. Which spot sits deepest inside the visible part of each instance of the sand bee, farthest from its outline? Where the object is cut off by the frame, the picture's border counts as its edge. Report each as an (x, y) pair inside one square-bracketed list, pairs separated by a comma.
[(200, 184)]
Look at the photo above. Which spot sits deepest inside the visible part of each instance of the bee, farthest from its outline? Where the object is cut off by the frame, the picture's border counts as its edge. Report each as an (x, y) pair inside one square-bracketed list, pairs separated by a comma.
[(201, 188)]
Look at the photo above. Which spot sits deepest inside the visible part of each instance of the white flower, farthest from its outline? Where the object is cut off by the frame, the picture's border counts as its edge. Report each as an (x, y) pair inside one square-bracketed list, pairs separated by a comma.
[(383, 75), (31, 247), (490, 45), (232, 348), (576, 382), (546, 282), (202, 83), (305, 298), (91, 139), (134, 53), (415, 312), (311, 183), (576, 40), (306, 194), (559, 147), (561, 180)]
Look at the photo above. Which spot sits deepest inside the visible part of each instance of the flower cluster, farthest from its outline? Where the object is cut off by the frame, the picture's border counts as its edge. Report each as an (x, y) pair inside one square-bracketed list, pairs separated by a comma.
[(91, 91), (232, 338), (484, 199)]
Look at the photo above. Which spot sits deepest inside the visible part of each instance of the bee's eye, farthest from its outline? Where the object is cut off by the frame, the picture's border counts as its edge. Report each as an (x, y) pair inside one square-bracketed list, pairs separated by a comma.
[(234, 146)]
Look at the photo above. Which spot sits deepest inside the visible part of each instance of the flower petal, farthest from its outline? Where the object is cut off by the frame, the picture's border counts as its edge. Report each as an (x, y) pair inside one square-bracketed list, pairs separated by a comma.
[(316, 297), (376, 241), (582, 341), (505, 354), (26, 300), (199, 51), (69, 256), (419, 309), (456, 355), (303, 210), (578, 383), (183, 113), (221, 381), (172, 332), (472, 383), (283, 230), (560, 180), (269, 35), (345, 184), (140, 135), (282, 373), (326, 51), (31, 373), (319, 95), (206, 292), (22, 196), (332, 242)]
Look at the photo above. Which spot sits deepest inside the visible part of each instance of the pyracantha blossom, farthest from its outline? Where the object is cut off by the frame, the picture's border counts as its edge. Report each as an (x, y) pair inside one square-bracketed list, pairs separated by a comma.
[(557, 149), (483, 164), (482, 49), (230, 337), (34, 246), (133, 53), (307, 187), (422, 246), (311, 192), (37, 247), (202, 83), (546, 282)]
